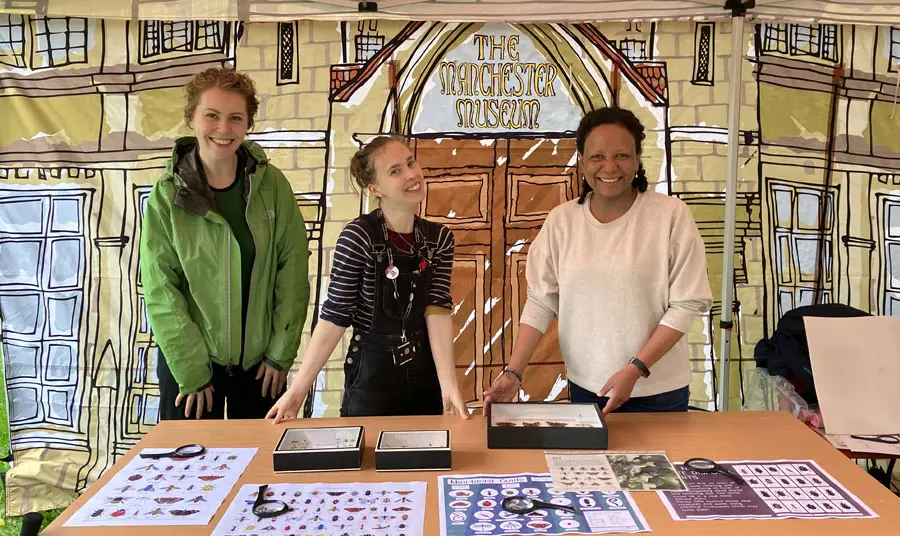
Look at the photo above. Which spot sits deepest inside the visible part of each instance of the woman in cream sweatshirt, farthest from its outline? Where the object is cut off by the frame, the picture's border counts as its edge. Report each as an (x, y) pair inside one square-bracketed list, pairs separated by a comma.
[(623, 269)]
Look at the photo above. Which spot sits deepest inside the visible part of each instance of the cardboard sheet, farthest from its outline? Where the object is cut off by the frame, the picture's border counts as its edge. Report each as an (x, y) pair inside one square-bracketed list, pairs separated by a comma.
[(856, 367)]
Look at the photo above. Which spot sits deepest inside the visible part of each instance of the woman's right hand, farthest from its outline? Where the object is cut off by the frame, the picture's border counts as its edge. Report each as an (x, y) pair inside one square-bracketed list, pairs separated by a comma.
[(504, 389), (287, 407)]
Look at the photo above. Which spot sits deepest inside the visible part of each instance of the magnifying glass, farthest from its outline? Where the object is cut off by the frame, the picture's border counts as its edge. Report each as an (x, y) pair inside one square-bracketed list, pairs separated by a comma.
[(520, 504), (268, 508), (184, 451), (704, 465)]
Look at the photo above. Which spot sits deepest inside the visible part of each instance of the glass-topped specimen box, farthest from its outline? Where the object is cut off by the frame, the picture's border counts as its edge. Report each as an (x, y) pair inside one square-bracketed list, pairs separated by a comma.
[(546, 425), (319, 449), (413, 450)]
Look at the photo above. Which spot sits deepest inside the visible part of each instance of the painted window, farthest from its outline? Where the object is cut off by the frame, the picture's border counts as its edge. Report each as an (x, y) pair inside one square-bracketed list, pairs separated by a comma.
[(12, 40), (287, 54), (143, 404), (368, 41), (167, 39), (894, 41), (891, 275), (634, 49), (799, 242), (42, 271), (59, 41), (815, 40), (704, 53)]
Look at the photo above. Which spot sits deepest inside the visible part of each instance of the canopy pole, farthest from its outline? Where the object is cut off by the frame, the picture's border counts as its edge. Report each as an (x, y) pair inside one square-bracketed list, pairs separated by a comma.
[(738, 10)]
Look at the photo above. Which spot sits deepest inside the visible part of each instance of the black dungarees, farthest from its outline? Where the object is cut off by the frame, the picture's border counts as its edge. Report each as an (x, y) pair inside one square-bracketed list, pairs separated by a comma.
[(373, 384)]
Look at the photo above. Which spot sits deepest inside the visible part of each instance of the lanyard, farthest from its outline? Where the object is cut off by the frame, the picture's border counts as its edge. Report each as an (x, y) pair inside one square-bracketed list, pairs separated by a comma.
[(392, 270)]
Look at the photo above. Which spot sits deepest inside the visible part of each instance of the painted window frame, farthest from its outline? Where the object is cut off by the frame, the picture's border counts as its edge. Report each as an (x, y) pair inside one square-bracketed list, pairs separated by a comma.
[(48, 336), (792, 287)]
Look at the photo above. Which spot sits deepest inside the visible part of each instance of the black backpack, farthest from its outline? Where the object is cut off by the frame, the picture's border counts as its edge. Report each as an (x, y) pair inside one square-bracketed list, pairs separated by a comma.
[(786, 353)]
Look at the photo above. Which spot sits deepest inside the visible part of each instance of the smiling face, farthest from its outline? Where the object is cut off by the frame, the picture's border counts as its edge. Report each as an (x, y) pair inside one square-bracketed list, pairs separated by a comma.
[(398, 177), (611, 161), (221, 123)]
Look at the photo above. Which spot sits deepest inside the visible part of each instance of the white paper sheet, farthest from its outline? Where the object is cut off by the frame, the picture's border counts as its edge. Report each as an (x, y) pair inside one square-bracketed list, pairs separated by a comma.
[(388, 508), (181, 491)]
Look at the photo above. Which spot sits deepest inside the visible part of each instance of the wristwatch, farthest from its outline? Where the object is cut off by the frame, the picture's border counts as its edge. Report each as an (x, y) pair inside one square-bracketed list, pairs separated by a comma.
[(645, 372)]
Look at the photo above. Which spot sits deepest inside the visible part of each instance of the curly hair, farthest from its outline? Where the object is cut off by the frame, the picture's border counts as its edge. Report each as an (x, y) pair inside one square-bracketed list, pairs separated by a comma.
[(361, 166), (612, 115), (225, 79)]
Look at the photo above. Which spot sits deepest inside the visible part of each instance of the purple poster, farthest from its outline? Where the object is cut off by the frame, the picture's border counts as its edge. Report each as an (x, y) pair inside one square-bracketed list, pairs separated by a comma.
[(770, 490)]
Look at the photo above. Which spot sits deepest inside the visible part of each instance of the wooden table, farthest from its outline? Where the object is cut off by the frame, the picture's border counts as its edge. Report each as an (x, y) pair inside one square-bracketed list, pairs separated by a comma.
[(719, 436)]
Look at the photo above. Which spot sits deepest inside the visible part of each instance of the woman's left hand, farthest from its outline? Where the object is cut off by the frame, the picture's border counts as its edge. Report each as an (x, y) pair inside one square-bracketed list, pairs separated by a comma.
[(619, 387), (273, 380), (455, 403)]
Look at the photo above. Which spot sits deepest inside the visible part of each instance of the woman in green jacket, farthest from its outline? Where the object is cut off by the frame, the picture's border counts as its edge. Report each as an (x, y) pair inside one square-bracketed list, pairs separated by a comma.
[(223, 262)]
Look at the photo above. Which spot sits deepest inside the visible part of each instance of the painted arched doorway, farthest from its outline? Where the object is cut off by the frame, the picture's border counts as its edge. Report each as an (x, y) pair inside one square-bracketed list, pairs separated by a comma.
[(490, 111)]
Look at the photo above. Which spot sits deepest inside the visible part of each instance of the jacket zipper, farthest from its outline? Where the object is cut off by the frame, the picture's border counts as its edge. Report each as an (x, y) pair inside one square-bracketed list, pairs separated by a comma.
[(252, 268), (228, 292)]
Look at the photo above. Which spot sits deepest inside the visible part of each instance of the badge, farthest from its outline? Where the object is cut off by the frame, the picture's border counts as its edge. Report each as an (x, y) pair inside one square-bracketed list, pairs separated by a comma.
[(423, 264), (391, 272)]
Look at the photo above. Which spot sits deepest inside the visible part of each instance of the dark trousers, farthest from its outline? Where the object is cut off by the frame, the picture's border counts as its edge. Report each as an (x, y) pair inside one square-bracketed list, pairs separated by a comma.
[(240, 389), (676, 400)]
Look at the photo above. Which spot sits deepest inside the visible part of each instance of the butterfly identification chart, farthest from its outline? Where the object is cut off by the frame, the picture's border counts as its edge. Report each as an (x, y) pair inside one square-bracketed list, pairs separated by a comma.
[(471, 505), (770, 490), (168, 491), (388, 509)]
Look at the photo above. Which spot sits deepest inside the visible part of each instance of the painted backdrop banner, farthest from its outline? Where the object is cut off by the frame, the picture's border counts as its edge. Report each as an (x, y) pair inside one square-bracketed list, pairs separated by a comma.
[(857, 12), (90, 108)]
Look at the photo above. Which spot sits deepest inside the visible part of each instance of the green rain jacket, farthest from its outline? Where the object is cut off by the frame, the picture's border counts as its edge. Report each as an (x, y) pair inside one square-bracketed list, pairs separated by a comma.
[(191, 270)]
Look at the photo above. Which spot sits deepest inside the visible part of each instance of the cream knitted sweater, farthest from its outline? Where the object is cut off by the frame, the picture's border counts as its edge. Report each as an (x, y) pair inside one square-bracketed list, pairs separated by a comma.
[(611, 284)]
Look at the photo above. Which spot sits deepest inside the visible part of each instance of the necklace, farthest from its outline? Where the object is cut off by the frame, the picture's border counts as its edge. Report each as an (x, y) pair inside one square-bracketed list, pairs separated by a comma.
[(411, 248)]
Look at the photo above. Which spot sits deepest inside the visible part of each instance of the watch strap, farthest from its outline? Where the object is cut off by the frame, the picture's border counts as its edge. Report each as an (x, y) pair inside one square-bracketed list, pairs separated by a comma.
[(645, 372)]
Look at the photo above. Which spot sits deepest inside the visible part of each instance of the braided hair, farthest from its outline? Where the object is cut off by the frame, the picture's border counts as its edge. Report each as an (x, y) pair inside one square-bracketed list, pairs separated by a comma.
[(612, 116)]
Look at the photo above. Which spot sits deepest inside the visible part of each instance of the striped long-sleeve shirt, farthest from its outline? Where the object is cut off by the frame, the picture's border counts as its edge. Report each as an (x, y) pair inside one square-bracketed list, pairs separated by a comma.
[(351, 293)]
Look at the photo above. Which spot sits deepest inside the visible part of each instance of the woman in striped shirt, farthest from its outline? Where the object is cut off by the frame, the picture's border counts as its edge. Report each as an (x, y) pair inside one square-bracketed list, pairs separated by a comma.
[(390, 282)]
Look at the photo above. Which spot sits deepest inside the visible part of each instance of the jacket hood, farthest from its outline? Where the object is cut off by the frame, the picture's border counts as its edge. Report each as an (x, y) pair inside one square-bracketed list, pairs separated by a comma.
[(192, 192)]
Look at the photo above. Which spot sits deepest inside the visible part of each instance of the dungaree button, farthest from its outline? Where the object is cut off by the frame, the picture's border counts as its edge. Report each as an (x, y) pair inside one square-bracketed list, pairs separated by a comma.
[(356, 338), (353, 348), (349, 360)]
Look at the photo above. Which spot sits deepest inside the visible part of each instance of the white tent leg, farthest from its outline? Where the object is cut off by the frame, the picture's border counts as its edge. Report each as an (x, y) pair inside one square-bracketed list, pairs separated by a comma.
[(734, 125)]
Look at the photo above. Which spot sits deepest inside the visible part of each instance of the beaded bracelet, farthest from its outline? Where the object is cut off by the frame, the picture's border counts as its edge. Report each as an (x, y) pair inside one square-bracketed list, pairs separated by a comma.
[(514, 373)]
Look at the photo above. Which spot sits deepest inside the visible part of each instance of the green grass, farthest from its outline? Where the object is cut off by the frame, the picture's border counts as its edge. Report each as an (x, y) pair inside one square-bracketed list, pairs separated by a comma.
[(12, 525)]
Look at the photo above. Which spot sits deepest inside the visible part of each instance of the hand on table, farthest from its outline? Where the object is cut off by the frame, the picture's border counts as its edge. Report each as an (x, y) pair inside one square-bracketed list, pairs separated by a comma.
[(273, 378), (619, 386), (287, 408), (455, 403), (203, 400), (504, 389)]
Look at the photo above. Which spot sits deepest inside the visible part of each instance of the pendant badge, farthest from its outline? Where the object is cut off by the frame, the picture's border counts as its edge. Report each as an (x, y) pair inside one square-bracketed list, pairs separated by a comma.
[(391, 272)]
